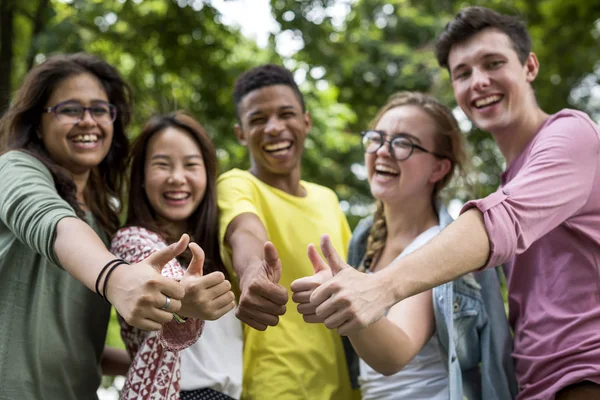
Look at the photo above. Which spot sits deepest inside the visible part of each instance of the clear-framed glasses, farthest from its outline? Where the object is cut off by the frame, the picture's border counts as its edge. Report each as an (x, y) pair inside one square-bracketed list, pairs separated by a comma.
[(400, 147), (69, 112)]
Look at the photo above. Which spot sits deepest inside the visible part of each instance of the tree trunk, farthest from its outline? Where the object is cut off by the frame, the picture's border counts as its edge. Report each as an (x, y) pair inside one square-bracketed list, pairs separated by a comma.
[(6, 52), (38, 25)]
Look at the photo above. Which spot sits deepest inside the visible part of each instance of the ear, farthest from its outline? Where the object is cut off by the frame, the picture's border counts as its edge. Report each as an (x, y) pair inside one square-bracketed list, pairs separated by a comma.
[(441, 169), (239, 133), (532, 67), (307, 121)]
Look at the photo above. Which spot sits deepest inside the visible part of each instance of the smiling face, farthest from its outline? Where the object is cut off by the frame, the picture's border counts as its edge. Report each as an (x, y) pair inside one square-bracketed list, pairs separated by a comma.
[(394, 181), (274, 128), (174, 175), (80, 146), (490, 84)]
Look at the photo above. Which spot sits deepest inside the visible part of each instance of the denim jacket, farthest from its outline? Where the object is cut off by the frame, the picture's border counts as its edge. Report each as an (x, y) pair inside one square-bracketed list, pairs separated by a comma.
[(471, 327)]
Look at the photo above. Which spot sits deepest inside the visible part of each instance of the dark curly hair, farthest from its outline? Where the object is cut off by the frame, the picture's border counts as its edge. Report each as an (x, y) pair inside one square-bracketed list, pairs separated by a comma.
[(20, 123), (472, 20), (261, 76)]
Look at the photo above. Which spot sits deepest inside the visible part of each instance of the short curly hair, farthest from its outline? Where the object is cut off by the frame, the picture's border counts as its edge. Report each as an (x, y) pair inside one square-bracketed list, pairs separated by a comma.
[(262, 76), (472, 20)]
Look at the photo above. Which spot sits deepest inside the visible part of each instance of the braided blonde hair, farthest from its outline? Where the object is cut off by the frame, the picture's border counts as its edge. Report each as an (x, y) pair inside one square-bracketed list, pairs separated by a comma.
[(449, 142)]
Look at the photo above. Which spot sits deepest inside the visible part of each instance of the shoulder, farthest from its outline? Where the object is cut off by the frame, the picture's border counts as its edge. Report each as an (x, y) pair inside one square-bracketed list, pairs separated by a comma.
[(319, 191), (20, 160), (567, 125), (234, 175)]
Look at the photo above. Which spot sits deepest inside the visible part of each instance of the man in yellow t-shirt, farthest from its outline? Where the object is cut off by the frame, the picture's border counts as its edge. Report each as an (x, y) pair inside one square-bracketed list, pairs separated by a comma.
[(268, 218)]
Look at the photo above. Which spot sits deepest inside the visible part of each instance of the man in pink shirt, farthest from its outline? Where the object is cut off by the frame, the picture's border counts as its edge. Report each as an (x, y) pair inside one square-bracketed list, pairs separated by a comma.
[(543, 222)]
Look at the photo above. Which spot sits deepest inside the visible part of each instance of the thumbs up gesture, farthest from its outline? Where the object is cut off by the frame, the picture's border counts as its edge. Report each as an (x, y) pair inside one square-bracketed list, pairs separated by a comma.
[(207, 297), (141, 295), (302, 288), (350, 300), (262, 298)]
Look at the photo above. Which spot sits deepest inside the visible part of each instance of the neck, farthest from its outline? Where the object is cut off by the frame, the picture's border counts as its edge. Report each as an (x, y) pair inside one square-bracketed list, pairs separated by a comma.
[(288, 183), (172, 231), (408, 220), (513, 139), (81, 180)]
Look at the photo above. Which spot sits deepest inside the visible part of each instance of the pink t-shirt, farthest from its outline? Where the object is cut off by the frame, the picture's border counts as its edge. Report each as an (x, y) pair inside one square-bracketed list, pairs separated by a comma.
[(544, 224)]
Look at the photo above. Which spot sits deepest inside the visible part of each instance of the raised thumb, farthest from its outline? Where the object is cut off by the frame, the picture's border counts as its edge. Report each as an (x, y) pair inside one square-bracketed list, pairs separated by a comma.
[(333, 258), (272, 261), (315, 258), (162, 257), (197, 263)]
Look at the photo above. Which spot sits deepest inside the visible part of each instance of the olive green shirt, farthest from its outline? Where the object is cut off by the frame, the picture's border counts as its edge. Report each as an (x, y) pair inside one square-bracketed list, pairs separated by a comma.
[(52, 328)]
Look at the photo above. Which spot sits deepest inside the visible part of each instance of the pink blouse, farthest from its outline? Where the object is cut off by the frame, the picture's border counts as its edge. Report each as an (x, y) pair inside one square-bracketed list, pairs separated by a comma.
[(154, 371)]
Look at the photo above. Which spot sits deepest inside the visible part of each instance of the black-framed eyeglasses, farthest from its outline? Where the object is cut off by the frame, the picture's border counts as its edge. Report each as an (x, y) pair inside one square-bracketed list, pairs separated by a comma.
[(400, 147), (69, 112)]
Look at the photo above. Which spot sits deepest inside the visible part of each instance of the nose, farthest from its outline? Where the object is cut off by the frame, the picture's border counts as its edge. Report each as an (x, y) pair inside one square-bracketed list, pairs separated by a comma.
[(176, 177), (384, 149), (86, 118), (479, 79), (274, 126)]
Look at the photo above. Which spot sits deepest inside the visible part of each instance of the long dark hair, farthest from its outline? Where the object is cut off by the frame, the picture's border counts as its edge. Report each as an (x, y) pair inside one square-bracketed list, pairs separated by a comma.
[(19, 126), (202, 225)]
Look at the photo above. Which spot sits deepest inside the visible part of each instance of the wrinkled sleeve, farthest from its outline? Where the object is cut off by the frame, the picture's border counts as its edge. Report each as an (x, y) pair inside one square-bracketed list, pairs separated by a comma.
[(134, 245), (30, 206), (553, 184)]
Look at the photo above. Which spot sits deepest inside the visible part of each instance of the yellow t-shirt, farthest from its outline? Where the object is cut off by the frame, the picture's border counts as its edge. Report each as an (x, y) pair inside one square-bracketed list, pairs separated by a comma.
[(293, 360)]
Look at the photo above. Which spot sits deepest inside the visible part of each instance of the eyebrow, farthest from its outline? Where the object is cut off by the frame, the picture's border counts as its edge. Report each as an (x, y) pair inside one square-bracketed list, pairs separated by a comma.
[(406, 135), (485, 55), (93, 101), (259, 112), (166, 157)]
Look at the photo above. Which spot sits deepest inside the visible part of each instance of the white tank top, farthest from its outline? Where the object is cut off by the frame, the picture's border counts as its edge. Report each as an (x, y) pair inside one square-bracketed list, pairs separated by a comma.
[(424, 377)]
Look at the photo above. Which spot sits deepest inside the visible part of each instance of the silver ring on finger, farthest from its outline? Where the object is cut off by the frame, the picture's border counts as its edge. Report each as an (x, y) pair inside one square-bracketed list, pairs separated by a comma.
[(167, 303)]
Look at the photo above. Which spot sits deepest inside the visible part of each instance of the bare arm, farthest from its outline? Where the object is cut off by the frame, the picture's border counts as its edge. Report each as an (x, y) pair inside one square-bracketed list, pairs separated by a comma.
[(137, 292), (257, 264), (360, 300), (460, 248), (393, 341)]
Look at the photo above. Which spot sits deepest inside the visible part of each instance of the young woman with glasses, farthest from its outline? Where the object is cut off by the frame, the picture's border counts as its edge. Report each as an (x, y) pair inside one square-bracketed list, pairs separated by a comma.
[(63, 160), (411, 153)]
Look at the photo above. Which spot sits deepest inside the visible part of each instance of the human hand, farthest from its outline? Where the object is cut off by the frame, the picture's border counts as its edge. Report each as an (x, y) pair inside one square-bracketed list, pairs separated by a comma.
[(351, 300), (262, 299), (139, 291), (207, 297), (303, 288)]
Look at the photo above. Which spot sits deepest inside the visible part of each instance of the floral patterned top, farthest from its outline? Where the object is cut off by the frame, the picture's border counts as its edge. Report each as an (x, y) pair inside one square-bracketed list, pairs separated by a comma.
[(154, 372)]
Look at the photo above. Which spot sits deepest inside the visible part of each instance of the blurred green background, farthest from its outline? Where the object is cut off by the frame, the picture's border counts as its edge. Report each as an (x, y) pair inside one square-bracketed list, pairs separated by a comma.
[(348, 56)]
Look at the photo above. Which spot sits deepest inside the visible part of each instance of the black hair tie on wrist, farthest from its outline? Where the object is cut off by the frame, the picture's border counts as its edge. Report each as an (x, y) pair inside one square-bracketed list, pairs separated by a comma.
[(108, 264), (110, 271)]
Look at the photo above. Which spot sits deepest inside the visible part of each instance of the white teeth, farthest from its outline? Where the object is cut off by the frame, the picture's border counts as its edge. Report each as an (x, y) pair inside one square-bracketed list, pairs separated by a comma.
[(277, 146), (384, 169), (176, 196), (86, 138), (487, 100)]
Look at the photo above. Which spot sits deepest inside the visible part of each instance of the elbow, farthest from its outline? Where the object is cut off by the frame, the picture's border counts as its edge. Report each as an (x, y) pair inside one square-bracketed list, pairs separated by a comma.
[(389, 368)]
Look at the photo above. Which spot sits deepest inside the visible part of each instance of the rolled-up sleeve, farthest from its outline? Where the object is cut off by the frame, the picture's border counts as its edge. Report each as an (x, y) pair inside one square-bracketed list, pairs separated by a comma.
[(553, 184)]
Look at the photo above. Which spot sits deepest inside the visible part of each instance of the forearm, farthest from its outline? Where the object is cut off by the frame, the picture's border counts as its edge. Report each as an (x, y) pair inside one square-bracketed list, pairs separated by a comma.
[(114, 361), (80, 250), (460, 248), (247, 246), (384, 346)]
